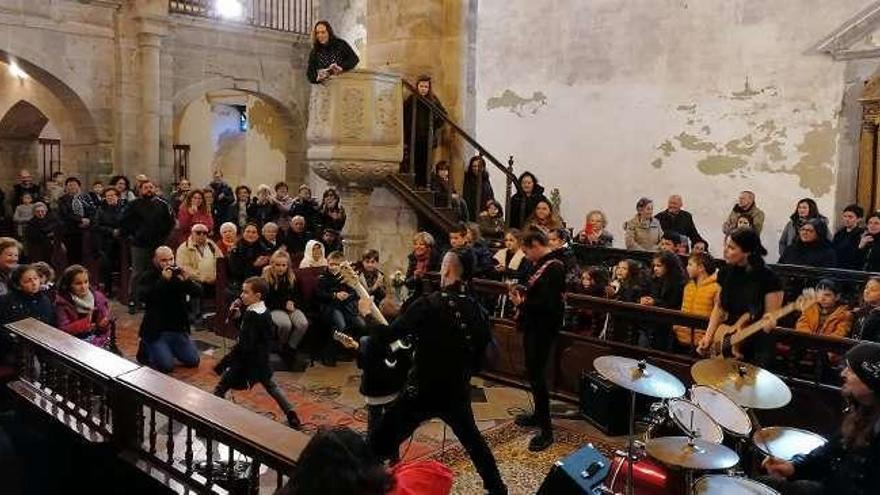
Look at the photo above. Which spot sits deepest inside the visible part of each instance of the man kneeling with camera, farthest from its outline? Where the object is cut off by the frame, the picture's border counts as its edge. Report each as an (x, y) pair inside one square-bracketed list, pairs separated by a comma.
[(165, 328)]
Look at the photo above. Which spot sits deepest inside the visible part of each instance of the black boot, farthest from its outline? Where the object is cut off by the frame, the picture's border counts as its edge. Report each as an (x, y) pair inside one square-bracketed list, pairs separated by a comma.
[(526, 420), (293, 420), (541, 441)]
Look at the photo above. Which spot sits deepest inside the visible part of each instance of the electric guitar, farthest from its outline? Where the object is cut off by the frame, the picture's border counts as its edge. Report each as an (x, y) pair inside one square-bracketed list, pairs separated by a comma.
[(727, 338), (351, 279)]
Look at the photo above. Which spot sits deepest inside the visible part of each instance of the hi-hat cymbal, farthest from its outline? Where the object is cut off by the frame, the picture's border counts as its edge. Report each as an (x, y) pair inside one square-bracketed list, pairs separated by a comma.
[(639, 377), (746, 384), (784, 443), (696, 454)]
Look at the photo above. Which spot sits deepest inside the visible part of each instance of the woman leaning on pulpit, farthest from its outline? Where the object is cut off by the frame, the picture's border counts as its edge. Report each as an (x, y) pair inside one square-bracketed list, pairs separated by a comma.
[(330, 55)]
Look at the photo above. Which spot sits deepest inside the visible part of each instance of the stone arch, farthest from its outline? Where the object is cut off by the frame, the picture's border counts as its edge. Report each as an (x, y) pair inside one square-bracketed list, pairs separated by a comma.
[(61, 105), (22, 121), (292, 118)]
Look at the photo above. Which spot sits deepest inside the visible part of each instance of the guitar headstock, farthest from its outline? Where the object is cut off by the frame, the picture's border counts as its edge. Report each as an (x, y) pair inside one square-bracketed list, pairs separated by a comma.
[(348, 275), (808, 298), (346, 340)]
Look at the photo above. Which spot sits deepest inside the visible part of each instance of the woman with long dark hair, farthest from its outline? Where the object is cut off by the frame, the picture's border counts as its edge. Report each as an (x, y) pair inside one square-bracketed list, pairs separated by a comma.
[(869, 248), (523, 203), (330, 55), (477, 187), (806, 210), (666, 290), (332, 213), (748, 287), (421, 127)]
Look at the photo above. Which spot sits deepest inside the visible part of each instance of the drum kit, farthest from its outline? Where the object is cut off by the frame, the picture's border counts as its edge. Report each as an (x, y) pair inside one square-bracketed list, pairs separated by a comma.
[(706, 433)]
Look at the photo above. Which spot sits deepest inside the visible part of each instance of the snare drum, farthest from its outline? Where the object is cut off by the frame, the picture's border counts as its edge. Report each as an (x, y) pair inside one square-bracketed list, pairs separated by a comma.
[(717, 484), (732, 418)]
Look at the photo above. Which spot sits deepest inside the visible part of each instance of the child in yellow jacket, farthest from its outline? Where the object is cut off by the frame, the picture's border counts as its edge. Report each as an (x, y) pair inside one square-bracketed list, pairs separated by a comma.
[(699, 297)]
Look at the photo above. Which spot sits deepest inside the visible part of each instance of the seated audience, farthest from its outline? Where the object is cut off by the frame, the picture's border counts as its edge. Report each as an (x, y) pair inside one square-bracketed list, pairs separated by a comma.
[(307, 207), (806, 210), (812, 248), (524, 201), (332, 212), (269, 237), (544, 218), (24, 298), (511, 262), (666, 291), (491, 220), (424, 259), (675, 219), (47, 276), (330, 56), (331, 240), (285, 203), (595, 233), (866, 318), (81, 310), (248, 361), (698, 298), (371, 277), (164, 331), (228, 238), (10, 250), (559, 241), (869, 254), (744, 206), (484, 266), (643, 232), (846, 239), (296, 237), (338, 305), (247, 258), (193, 211), (197, 256), (594, 282), (23, 214), (701, 246), (628, 283), (671, 242), (477, 189), (313, 256), (40, 235), (282, 300), (237, 212), (338, 461), (828, 316), (263, 208)]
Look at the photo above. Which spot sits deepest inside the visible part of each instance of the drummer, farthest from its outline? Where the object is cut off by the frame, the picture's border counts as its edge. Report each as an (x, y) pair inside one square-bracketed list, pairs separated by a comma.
[(850, 462)]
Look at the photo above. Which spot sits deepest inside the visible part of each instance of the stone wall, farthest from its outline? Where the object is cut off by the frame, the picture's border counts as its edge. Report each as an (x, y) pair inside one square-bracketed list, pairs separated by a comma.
[(616, 99)]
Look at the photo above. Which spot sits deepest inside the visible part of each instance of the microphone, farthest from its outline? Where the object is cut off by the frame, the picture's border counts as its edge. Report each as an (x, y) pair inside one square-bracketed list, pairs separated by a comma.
[(236, 305)]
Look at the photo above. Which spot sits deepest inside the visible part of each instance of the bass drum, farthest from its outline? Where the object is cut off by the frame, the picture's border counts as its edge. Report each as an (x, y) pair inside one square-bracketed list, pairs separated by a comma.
[(680, 416), (717, 484), (649, 478)]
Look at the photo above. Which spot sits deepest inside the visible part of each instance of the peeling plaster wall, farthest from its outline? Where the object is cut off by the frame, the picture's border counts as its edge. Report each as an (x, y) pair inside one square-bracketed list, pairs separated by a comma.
[(635, 98)]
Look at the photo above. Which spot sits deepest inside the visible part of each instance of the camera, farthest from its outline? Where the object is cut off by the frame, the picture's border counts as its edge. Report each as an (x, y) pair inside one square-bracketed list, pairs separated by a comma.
[(176, 270)]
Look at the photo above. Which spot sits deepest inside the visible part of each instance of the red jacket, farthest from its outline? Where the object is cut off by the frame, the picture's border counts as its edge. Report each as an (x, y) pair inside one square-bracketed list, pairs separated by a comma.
[(421, 478), (70, 321)]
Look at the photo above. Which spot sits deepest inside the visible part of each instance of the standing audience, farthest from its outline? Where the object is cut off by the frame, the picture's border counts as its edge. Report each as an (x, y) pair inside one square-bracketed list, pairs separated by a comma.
[(805, 211), (675, 219), (846, 239), (595, 233), (745, 206), (643, 232), (477, 190), (416, 134), (526, 198), (148, 222)]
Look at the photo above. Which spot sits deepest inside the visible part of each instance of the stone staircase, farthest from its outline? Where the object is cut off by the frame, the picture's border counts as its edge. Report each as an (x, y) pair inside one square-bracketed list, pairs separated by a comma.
[(423, 201)]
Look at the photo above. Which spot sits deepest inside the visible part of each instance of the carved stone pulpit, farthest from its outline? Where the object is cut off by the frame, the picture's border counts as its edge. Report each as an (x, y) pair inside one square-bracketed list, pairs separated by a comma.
[(355, 139)]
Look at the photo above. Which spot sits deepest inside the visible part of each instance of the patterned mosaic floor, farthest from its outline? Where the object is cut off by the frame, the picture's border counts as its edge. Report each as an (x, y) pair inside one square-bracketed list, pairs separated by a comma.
[(329, 396)]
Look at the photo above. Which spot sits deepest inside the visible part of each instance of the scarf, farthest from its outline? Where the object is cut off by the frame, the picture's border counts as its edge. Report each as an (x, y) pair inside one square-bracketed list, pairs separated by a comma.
[(84, 305), (422, 261)]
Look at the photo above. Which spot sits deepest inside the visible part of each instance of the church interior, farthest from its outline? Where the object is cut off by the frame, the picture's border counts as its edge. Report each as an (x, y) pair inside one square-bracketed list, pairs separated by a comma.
[(400, 247)]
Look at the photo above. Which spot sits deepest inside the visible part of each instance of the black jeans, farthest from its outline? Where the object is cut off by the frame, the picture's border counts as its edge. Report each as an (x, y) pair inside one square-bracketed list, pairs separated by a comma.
[(537, 345), (226, 381), (454, 408)]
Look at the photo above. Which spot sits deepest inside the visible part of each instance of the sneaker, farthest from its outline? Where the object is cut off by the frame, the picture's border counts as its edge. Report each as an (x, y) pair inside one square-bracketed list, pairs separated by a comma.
[(132, 308), (541, 441), (293, 420), (526, 420)]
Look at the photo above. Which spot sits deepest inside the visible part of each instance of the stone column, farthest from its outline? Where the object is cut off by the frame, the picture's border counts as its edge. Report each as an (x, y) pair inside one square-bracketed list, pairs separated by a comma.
[(867, 159), (355, 139), (149, 44)]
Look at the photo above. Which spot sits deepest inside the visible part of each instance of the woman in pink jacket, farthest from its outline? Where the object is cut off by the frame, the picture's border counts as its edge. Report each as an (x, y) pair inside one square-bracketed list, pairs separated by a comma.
[(193, 210), (81, 310)]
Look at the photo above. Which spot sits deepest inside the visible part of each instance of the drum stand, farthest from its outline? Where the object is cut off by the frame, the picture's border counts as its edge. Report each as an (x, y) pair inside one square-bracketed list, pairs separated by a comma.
[(630, 446)]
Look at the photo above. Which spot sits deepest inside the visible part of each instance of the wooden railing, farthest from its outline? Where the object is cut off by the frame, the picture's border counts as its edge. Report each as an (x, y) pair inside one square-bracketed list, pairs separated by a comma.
[(293, 16), (168, 429)]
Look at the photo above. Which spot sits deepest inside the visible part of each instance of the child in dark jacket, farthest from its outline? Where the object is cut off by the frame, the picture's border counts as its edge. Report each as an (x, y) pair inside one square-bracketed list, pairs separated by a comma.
[(26, 299), (371, 277), (338, 303), (248, 362), (666, 291)]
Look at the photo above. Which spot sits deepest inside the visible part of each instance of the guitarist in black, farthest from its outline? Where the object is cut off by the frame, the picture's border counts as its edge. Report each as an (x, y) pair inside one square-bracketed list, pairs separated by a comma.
[(749, 288), (451, 332)]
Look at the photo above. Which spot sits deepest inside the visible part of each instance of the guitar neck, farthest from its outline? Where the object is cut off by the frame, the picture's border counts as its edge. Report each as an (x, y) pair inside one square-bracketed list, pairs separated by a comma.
[(756, 327)]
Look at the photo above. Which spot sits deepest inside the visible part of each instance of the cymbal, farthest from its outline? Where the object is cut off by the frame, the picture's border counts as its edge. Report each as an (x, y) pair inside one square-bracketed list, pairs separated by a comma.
[(746, 384), (639, 377), (784, 443), (696, 454)]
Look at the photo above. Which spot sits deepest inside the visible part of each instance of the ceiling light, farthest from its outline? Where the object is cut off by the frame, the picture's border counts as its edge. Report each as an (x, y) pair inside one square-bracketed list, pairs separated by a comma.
[(17, 71), (229, 9)]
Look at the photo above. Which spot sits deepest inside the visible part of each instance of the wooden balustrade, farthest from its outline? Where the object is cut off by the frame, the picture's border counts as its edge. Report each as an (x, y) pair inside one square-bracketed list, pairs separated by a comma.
[(162, 426)]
